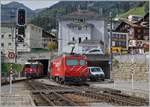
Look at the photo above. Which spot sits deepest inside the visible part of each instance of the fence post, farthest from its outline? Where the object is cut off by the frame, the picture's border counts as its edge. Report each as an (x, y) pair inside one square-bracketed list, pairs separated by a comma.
[(132, 72), (132, 79)]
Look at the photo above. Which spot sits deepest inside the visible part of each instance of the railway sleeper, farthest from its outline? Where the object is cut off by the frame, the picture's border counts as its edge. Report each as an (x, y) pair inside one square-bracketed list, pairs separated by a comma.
[(110, 98), (132, 99), (124, 101), (141, 100), (70, 102), (47, 99)]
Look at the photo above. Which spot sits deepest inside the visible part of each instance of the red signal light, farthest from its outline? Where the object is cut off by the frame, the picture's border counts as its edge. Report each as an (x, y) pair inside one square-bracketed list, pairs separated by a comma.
[(21, 17)]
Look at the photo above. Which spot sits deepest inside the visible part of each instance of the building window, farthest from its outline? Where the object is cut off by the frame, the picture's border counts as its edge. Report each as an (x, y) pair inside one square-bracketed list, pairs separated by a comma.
[(2, 44), (9, 35), (45, 45), (79, 28), (32, 27), (139, 30), (9, 44), (79, 39), (86, 38), (73, 39), (2, 36), (86, 27), (81, 20)]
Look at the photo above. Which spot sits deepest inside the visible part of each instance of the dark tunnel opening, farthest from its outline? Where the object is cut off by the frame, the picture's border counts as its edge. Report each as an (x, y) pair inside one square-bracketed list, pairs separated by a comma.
[(45, 65), (103, 64)]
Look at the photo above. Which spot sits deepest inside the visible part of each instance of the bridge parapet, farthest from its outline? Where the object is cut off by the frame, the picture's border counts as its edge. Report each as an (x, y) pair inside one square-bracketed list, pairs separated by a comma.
[(97, 57)]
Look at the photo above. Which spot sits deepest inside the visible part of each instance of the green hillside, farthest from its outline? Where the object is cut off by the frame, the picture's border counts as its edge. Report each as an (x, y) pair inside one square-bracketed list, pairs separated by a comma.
[(47, 17), (133, 11)]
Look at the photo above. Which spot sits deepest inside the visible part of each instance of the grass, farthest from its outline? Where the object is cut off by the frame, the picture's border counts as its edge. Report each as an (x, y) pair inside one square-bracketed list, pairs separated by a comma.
[(133, 11)]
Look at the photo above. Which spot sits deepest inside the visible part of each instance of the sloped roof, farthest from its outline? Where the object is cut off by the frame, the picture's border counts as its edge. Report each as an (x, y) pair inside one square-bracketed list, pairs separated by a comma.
[(47, 35), (132, 23), (79, 24), (146, 15), (129, 23), (82, 14)]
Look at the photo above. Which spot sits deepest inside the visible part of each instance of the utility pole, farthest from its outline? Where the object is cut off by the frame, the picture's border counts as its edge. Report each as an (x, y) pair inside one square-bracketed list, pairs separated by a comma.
[(16, 33), (110, 37)]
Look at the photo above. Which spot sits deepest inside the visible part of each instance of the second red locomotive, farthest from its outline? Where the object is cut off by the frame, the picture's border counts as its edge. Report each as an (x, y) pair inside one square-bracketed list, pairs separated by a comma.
[(69, 69), (33, 69)]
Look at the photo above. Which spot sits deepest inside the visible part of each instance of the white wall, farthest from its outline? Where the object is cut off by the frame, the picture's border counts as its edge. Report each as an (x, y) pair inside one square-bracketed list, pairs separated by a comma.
[(98, 32), (6, 40), (66, 34), (34, 34)]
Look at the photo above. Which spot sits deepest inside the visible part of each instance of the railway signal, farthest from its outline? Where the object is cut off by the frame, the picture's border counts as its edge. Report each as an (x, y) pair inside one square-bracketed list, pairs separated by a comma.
[(10, 78), (21, 17)]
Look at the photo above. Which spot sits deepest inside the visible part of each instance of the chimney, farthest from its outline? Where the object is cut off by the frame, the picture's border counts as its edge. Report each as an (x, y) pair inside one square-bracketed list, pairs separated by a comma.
[(79, 10)]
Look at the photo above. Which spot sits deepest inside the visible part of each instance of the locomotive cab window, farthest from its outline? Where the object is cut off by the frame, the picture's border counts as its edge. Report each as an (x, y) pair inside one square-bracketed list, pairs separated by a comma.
[(82, 62), (27, 65), (72, 62), (34, 65)]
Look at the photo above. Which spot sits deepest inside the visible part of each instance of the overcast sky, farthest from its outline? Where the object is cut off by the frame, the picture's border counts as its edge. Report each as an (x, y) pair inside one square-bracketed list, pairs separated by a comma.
[(33, 4)]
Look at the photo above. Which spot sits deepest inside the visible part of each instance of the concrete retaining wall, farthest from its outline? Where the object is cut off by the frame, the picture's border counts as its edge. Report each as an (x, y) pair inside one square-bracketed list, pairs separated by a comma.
[(123, 71)]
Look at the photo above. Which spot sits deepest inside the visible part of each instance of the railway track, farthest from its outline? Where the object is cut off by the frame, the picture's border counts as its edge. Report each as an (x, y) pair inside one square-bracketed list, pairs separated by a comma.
[(56, 95), (116, 93), (17, 81), (53, 98)]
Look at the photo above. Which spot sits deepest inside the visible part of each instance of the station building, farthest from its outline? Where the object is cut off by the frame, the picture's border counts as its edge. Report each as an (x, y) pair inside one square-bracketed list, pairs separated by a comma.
[(80, 26)]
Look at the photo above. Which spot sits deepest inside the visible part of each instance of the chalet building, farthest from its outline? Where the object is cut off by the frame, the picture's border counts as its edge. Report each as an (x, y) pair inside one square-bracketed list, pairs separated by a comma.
[(33, 34), (138, 33), (82, 26), (46, 38), (144, 22), (25, 42)]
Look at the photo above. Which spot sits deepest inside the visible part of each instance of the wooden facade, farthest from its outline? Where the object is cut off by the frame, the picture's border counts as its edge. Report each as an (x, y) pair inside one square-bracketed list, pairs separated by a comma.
[(136, 31)]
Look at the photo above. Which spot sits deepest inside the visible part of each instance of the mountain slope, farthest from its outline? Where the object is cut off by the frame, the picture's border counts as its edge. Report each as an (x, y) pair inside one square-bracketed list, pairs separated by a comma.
[(9, 11), (47, 17), (134, 11)]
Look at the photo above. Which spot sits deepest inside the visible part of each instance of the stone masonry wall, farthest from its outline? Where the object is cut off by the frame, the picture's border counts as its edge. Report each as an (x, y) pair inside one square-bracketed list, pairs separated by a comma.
[(123, 70)]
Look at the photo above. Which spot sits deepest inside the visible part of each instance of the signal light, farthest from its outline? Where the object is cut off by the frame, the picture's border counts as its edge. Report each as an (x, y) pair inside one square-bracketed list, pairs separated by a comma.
[(21, 30), (21, 17)]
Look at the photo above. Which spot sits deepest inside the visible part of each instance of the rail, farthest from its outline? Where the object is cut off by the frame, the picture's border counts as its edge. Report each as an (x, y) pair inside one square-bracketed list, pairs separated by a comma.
[(54, 94)]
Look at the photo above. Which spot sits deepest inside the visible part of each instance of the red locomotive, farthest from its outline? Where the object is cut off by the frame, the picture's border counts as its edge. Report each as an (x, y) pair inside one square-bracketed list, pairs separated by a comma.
[(33, 69), (69, 69)]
